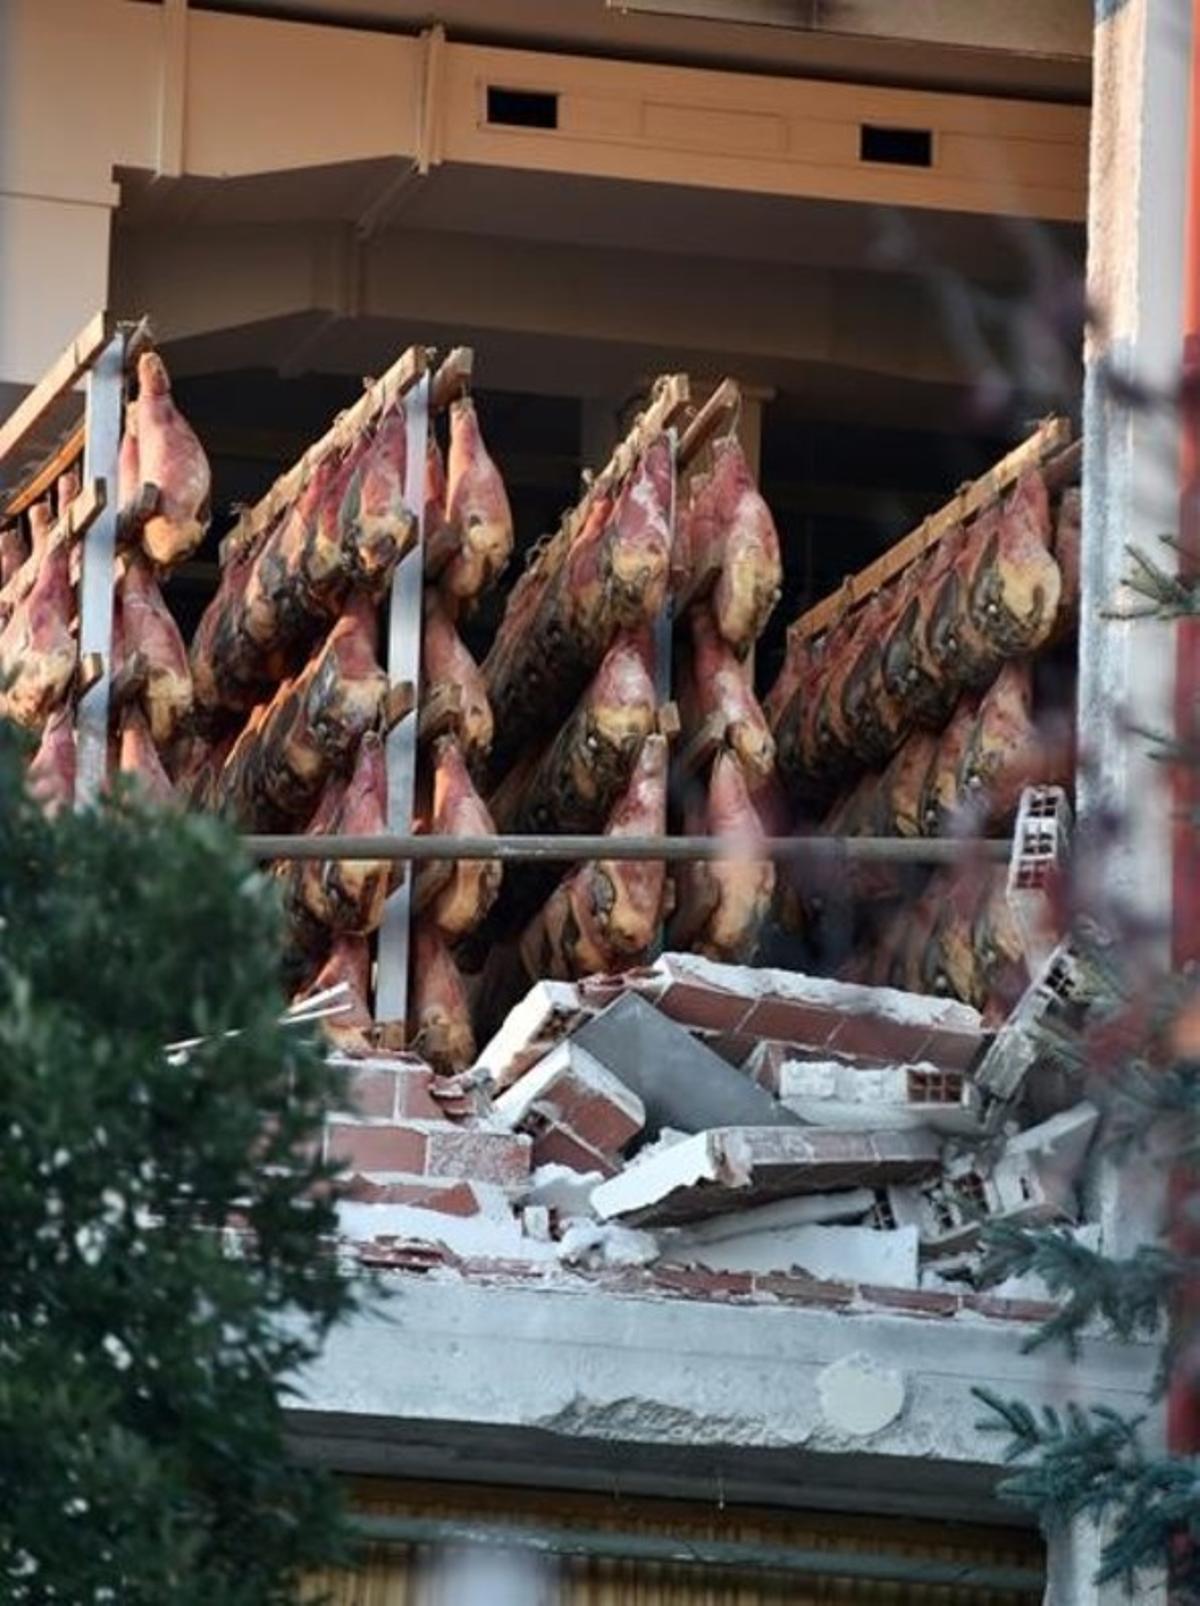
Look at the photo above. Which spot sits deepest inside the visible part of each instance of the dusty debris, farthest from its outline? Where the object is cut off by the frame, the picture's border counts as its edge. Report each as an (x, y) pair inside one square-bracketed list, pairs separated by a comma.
[(737, 1167)]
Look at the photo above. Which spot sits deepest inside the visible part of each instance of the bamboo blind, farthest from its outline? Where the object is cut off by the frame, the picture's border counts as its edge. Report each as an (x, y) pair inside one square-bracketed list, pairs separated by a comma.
[(396, 1576)]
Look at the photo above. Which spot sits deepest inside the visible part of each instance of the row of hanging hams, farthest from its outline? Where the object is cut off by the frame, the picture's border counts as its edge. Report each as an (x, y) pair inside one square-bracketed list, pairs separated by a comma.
[(917, 717), (1001, 587), (587, 747), (162, 469)]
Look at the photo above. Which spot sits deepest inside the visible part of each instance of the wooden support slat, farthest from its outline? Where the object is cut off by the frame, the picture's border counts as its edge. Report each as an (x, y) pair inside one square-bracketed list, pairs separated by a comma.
[(1048, 440), (719, 410), (667, 404), (702, 748), (441, 711), (69, 451), (58, 379), (408, 368), (453, 377)]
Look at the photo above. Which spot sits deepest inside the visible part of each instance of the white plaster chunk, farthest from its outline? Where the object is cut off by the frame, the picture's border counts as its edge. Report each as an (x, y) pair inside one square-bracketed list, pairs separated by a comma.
[(784, 1215), (888, 1003), (862, 1098), (838, 1254), (531, 1028), (858, 1397), (559, 1187)]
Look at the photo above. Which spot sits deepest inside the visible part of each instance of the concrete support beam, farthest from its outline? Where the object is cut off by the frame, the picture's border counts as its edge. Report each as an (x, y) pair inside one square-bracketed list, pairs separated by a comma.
[(1034, 27), (793, 1405), (199, 280)]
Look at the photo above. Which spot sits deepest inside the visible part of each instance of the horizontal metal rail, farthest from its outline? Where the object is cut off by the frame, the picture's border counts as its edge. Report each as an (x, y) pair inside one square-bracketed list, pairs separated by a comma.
[(674, 849), (676, 1550)]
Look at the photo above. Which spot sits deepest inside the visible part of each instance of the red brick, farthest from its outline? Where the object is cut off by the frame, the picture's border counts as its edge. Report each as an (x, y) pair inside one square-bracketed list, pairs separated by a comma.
[(392, 1092), (1011, 1310), (399, 1255), (805, 1290), (477, 1155), (923, 1301), (376, 1148), (558, 1145), (451, 1198), (700, 1281)]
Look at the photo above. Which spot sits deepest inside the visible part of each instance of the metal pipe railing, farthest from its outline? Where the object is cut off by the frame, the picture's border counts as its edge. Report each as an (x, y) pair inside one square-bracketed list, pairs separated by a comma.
[(673, 1550), (624, 849)]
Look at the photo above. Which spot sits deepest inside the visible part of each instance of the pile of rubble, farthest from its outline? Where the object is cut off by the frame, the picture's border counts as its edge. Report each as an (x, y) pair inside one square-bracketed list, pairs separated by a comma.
[(741, 1123)]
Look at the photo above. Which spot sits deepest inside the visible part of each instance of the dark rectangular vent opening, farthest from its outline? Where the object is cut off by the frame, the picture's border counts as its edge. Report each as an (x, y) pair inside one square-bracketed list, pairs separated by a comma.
[(902, 147), (522, 108)]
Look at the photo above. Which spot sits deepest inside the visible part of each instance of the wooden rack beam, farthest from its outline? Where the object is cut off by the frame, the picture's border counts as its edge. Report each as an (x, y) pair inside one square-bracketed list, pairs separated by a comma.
[(719, 410), (404, 373), (34, 488), (665, 409), (1049, 439), (674, 849), (453, 377), (65, 372)]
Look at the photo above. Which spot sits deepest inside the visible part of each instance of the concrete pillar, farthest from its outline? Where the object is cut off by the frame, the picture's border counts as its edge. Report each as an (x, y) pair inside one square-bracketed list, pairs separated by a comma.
[(1072, 1558), (1136, 218), (1131, 455)]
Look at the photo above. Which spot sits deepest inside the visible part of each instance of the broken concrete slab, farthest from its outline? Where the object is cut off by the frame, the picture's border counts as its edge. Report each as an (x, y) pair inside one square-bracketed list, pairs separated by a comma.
[(679, 1080), (836, 1253), (576, 1111), (865, 1098), (735, 1168), (1032, 1179), (785, 1215), (736, 1007)]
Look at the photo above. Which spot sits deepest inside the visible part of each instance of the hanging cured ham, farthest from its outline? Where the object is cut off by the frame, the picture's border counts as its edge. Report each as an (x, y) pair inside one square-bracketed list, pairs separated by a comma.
[(608, 574), (941, 795), (138, 759), (914, 677), (733, 547), (21, 581), (348, 966), (375, 526), (348, 527), (903, 783), (875, 721), (347, 894), (457, 895), (589, 762), (38, 651), (171, 458), (143, 629), (718, 692), (14, 549), (440, 1012), (478, 520), (51, 777), (447, 667), (1006, 752), (605, 915), (1015, 585), (722, 904), (310, 729)]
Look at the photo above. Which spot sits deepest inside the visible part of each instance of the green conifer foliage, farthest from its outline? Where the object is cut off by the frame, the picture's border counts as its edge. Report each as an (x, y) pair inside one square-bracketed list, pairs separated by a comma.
[(165, 1259)]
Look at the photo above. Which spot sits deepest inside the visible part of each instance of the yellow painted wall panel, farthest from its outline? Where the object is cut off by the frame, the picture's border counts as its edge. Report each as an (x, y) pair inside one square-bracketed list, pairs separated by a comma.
[(264, 96)]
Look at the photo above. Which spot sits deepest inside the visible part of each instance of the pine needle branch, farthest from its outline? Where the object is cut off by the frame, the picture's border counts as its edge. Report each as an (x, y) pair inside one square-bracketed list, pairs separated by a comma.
[(1165, 595), (1128, 1296)]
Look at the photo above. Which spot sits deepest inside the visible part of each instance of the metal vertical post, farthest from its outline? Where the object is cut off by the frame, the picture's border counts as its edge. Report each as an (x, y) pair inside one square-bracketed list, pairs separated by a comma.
[(102, 444), (404, 664)]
